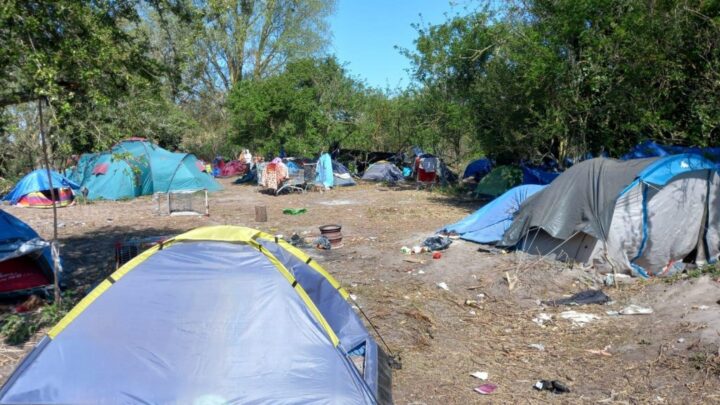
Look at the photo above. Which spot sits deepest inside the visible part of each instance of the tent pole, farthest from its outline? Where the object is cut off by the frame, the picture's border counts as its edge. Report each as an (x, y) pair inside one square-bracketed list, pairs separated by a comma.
[(53, 242)]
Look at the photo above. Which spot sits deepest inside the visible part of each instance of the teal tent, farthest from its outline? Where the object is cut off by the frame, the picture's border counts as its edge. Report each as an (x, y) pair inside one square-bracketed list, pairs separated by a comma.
[(136, 167)]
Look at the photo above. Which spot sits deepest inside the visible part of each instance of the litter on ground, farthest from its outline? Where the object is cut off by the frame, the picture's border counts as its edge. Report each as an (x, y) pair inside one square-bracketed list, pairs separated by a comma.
[(635, 310), (486, 389), (586, 297), (578, 318), (480, 375)]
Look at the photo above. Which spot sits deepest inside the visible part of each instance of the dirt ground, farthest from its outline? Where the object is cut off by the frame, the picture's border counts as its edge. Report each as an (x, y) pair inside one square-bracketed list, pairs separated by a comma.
[(669, 356)]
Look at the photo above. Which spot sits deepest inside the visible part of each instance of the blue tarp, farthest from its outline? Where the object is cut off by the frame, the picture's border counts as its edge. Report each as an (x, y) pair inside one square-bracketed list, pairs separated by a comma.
[(663, 170), (324, 171), (536, 175), (37, 180), (653, 149), (478, 169), (12, 228), (155, 337), (489, 223)]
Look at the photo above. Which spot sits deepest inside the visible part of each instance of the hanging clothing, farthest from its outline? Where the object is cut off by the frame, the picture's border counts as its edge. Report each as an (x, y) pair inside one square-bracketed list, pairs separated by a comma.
[(324, 172)]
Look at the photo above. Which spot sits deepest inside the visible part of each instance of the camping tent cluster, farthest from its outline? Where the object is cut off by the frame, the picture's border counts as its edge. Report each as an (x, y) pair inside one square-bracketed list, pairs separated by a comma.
[(25, 259), (645, 216), (216, 315), (136, 167)]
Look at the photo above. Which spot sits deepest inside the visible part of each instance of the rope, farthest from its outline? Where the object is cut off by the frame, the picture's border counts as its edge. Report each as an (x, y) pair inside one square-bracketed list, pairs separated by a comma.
[(390, 352)]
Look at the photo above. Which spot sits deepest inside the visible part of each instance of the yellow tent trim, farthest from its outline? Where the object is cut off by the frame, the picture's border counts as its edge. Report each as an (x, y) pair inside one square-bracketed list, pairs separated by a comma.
[(222, 233), (304, 258)]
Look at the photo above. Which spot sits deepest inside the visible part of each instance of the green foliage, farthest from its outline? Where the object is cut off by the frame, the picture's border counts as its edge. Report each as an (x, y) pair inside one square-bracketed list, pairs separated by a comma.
[(561, 77), (19, 328), (305, 108), (711, 270), (529, 80)]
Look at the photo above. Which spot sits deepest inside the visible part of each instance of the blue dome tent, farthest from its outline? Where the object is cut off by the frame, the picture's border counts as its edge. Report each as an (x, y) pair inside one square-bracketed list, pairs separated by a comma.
[(219, 314), (33, 190)]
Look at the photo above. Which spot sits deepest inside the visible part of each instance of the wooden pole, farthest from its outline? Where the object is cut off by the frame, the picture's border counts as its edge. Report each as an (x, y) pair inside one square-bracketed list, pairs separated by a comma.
[(260, 213), (53, 242)]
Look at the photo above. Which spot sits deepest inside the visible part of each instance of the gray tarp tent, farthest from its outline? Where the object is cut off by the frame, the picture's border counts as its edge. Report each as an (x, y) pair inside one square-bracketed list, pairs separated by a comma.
[(383, 171), (643, 216)]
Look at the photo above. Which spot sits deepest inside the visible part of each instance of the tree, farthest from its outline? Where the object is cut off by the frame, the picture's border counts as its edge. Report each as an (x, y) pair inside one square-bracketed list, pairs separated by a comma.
[(306, 108), (255, 38), (563, 77), (91, 61)]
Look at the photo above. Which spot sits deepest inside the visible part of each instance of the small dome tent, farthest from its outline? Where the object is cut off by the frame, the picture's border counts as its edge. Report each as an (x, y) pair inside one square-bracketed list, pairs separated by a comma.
[(383, 171), (477, 169), (216, 315), (642, 216), (25, 259), (33, 190), (498, 181)]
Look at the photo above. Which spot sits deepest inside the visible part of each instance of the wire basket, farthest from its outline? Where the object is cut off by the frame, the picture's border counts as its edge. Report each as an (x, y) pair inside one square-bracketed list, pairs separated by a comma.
[(127, 249)]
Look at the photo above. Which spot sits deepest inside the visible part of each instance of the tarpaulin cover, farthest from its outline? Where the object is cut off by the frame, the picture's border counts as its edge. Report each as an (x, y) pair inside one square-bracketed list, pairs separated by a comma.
[(663, 170), (201, 322), (478, 169), (499, 180), (536, 175), (324, 171), (249, 177), (582, 199), (653, 149), (489, 223), (37, 180), (383, 171)]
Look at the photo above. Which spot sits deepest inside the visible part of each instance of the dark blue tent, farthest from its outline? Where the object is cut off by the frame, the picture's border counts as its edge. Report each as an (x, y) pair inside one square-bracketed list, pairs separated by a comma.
[(478, 169), (25, 259), (651, 148), (537, 175)]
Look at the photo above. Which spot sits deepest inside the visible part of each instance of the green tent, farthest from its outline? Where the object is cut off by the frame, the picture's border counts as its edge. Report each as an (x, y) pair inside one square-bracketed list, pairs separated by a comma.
[(499, 180)]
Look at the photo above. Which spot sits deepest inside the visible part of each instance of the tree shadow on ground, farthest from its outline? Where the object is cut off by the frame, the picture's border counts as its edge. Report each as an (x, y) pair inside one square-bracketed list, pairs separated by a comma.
[(89, 258)]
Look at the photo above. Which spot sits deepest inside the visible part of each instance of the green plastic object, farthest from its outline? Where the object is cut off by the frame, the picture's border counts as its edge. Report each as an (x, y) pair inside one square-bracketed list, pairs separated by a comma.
[(294, 211)]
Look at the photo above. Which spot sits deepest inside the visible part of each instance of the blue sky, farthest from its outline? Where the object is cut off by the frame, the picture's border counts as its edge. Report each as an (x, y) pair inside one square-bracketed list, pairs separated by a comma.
[(365, 33)]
